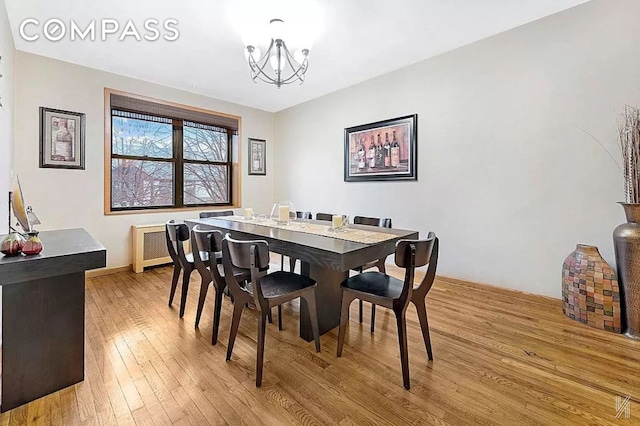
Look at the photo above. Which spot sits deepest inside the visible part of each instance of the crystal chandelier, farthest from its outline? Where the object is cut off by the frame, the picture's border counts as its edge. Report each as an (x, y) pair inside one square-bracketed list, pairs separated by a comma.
[(277, 66)]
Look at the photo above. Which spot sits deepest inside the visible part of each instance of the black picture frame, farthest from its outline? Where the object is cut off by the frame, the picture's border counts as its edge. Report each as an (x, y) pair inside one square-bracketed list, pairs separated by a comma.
[(403, 143), (71, 143), (257, 157)]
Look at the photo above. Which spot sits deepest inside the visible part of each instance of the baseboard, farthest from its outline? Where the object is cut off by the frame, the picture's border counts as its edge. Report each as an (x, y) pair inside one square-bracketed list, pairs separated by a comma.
[(495, 288), (107, 271)]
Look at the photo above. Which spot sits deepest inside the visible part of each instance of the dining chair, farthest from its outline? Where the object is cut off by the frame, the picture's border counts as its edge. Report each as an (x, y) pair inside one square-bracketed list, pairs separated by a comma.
[(204, 215), (392, 293), (207, 256), (379, 263), (266, 290), (292, 260), (177, 234), (324, 216)]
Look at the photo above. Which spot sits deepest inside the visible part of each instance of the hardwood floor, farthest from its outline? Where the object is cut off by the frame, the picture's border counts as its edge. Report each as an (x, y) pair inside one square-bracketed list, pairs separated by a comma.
[(501, 357)]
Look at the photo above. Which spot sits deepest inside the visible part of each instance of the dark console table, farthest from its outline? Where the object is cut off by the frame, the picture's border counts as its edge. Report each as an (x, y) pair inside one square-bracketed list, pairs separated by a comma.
[(43, 316)]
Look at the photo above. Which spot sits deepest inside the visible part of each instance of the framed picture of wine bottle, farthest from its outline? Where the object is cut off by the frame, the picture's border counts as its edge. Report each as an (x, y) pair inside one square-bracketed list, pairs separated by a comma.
[(384, 150), (257, 157)]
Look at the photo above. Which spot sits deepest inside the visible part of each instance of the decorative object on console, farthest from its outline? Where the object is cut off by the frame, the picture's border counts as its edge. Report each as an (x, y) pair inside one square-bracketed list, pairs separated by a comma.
[(14, 243), (257, 157), (33, 245), (590, 292), (283, 212), (626, 237), (61, 139), (385, 150), (277, 60), (16, 204)]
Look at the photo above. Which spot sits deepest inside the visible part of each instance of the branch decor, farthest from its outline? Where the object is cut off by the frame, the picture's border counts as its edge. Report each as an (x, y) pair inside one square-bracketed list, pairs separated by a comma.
[(629, 136)]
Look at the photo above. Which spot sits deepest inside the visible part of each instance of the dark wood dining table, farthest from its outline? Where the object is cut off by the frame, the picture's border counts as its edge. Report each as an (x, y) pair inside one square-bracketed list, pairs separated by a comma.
[(327, 260)]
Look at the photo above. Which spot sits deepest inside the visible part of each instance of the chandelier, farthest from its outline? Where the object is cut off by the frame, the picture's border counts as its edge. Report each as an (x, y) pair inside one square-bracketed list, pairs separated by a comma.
[(277, 66)]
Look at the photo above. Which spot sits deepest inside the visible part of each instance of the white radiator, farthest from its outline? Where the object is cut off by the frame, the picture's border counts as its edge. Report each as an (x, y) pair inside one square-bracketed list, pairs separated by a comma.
[(149, 246)]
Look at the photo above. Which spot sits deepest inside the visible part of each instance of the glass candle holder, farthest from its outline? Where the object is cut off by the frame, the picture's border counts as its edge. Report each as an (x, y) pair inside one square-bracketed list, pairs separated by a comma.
[(283, 212)]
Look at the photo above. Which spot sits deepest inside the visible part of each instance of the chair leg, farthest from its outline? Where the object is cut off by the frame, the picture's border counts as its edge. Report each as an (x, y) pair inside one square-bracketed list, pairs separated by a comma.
[(204, 287), (282, 262), (260, 357), (310, 298), (373, 317), (174, 283), (424, 325), (404, 351), (270, 317), (361, 307), (235, 322), (292, 264), (347, 298), (217, 309), (185, 290), (279, 317)]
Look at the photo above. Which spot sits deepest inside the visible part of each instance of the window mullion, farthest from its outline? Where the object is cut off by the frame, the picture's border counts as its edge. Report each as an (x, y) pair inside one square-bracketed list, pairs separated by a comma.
[(229, 166), (178, 155)]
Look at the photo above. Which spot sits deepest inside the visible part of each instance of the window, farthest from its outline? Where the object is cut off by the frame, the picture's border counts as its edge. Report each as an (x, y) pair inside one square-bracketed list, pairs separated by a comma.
[(165, 157)]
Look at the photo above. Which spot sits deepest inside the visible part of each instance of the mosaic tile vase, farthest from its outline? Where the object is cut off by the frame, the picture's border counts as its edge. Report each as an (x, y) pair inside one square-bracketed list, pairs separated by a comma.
[(590, 292), (626, 241)]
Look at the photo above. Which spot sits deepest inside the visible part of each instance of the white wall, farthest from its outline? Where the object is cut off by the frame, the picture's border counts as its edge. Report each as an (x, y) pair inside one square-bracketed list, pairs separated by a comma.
[(7, 83), (507, 179), (74, 198)]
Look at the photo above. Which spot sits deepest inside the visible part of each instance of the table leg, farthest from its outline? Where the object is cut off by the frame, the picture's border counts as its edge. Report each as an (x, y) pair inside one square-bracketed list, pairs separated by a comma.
[(42, 337), (328, 299)]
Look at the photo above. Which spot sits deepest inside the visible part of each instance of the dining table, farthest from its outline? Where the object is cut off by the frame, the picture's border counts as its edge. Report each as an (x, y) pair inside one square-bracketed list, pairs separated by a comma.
[(325, 255)]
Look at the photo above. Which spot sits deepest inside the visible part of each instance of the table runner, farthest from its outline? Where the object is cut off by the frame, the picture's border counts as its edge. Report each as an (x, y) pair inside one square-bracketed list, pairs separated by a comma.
[(351, 234)]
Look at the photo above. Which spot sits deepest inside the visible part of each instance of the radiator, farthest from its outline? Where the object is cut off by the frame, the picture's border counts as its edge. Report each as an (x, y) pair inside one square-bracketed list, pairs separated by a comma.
[(149, 246)]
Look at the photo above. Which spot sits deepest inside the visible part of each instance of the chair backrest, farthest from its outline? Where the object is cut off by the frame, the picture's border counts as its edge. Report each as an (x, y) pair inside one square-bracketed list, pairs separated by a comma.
[(324, 216), (204, 215), (170, 246), (204, 245), (177, 234), (411, 254), (372, 221), (430, 276), (303, 215), (252, 255)]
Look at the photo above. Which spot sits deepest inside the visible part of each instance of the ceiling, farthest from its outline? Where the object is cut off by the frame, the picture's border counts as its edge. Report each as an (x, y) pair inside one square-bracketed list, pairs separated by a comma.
[(351, 40)]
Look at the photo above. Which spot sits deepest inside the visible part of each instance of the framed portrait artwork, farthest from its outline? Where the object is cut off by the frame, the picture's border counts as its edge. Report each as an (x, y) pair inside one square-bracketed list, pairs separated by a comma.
[(62, 137), (384, 150), (257, 157)]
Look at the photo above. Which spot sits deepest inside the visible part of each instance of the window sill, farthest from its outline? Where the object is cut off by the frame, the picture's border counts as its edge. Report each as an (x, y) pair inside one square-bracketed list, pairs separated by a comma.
[(170, 210)]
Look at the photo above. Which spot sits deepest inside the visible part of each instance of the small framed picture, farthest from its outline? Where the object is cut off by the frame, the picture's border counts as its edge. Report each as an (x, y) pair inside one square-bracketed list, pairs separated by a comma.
[(385, 150), (62, 137), (257, 157)]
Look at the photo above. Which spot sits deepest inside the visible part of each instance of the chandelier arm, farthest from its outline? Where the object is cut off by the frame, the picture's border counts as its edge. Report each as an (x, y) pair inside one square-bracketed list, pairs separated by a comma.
[(301, 68), (297, 74), (262, 61)]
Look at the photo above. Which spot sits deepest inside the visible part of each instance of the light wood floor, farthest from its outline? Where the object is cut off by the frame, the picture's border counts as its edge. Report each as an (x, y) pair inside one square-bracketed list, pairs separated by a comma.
[(501, 357)]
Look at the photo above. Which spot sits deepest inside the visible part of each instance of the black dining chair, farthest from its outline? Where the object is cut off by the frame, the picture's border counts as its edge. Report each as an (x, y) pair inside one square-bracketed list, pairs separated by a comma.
[(392, 293), (207, 244), (177, 234), (292, 260), (324, 216), (266, 290), (204, 215), (379, 263)]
